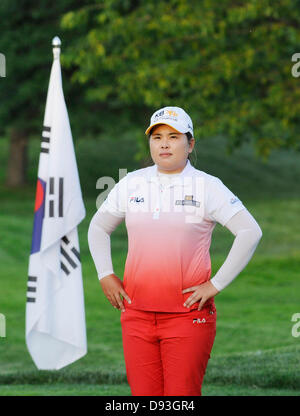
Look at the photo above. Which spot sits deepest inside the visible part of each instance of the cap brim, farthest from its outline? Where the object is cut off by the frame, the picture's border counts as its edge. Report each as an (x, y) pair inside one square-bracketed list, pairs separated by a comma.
[(167, 124)]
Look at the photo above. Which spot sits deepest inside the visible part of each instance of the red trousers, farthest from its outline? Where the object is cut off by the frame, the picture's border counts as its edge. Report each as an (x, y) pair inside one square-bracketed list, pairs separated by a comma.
[(166, 354)]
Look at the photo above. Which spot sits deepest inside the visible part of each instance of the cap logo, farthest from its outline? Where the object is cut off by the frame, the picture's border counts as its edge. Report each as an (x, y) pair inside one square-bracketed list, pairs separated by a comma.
[(166, 115), (172, 113), (160, 114)]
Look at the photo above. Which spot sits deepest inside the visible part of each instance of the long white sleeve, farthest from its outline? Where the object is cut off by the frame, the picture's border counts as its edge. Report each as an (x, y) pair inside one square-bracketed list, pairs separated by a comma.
[(101, 226), (247, 236)]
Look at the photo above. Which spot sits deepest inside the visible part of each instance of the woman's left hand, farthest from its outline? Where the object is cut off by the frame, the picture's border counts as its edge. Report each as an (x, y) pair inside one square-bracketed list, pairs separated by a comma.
[(203, 292)]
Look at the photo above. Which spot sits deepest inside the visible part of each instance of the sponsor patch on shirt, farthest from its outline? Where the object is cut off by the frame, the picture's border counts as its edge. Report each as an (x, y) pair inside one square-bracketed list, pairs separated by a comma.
[(188, 200)]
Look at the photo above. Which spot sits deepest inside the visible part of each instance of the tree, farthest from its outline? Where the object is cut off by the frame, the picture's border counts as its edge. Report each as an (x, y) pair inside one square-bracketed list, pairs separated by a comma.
[(27, 28), (227, 63)]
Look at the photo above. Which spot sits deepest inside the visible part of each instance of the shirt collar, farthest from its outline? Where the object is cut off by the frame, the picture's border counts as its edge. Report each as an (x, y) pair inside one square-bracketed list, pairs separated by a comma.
[(152, 175)]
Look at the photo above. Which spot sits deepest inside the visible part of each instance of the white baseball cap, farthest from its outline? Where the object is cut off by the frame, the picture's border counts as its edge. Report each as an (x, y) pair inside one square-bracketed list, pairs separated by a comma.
[(174, 117)]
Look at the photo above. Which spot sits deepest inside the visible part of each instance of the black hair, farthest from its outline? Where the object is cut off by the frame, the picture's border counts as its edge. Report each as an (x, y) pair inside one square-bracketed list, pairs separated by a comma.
[(189, 137)]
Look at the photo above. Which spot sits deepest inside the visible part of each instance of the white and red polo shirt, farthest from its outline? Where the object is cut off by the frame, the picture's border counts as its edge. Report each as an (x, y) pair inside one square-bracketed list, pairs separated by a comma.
[(169, 227)]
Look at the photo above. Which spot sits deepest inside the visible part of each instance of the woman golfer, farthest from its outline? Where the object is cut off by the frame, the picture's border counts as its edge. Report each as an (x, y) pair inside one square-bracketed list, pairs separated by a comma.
[(167, 294)]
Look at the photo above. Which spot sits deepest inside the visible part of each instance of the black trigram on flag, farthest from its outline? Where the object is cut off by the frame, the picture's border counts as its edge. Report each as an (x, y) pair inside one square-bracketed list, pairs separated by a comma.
[(45, 141), (31, 288), (56, 197), (70, 256)]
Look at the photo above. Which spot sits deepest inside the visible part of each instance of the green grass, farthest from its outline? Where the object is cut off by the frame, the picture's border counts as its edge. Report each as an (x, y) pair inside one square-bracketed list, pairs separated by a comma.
[(272, 372), (124, 390), (65, 390), (254, 352)]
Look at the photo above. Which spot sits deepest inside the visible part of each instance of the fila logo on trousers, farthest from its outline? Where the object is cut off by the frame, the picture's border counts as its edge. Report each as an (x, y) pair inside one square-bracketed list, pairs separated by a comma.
[(199, 321)]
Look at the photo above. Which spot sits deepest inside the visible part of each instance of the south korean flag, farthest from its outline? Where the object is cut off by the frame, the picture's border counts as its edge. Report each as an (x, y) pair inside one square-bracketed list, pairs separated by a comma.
[(55, 316)]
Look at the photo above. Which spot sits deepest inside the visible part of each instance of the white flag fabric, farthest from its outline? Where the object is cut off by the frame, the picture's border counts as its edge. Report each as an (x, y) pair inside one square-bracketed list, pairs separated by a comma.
[(55, 316)]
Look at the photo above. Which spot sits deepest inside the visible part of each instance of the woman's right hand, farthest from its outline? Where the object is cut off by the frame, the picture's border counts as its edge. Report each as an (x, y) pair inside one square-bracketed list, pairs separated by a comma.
[(112, 287)]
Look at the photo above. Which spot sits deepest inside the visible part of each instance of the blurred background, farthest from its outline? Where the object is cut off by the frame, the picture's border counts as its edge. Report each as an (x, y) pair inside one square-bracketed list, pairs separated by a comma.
[(232, 66)]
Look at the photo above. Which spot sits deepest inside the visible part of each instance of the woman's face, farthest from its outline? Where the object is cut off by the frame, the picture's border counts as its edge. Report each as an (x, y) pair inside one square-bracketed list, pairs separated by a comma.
[(169, 149)]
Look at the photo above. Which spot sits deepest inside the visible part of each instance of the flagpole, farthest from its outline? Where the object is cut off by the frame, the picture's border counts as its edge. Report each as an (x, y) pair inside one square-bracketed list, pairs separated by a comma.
[(56, 43)]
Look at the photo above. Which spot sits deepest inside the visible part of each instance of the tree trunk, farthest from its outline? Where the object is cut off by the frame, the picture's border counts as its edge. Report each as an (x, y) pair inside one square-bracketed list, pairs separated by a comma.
[(17, 158)]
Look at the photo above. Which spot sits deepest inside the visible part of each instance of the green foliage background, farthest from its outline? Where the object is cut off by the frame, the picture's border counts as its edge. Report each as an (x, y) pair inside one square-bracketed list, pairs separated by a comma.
[(227, 63)]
